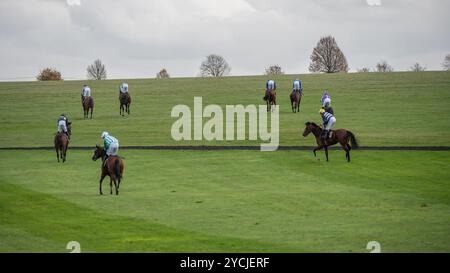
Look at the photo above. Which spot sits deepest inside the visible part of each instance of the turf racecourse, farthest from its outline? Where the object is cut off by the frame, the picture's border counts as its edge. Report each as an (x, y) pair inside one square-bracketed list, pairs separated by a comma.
[(198, 196)]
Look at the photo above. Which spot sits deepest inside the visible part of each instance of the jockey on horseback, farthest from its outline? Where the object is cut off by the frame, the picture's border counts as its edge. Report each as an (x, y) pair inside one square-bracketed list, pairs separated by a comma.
[(85, 92), (328, 122), (326, 99), (111, 144), (297, 87), (123, 89), (62, 124), (270, 86)]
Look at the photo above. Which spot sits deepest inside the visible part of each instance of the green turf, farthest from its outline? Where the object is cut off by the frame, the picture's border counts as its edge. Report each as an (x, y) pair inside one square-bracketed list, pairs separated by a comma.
[(382, 109), (227, 201)]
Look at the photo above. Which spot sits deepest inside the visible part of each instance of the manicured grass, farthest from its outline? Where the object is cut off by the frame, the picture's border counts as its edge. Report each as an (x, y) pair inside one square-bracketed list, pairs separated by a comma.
[(227, 201), (382, 109)]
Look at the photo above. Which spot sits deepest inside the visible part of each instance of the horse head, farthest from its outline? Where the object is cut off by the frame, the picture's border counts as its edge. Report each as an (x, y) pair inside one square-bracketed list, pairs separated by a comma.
[(311, 127), (98, 153)]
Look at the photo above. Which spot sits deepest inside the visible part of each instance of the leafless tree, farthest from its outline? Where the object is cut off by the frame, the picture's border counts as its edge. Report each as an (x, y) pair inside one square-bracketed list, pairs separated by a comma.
[(364, 70), (96, 71), (162, 74), (274, 70), (49, 74), (214, 66), (417, 68), (383, 66), (446, 63), (327, 57)]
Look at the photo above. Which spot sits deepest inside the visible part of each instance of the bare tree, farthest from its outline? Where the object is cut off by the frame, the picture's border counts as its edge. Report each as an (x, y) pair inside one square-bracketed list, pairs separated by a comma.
[(49, 74), (162, 74), (96, 71), (327, 57), (274, 70), (446, 63), (214, 66), (383, 66), (417, 68), (364, 70)]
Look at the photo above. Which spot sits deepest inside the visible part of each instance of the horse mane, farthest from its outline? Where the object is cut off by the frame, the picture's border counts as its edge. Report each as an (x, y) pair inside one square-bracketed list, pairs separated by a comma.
[(311, 123)]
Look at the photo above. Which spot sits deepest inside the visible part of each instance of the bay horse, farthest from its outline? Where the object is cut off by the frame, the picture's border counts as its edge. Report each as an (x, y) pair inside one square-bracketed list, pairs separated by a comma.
[(340, 136), (112, 166), (296, 98), (271, 99), (61, 142), (125, 101), (88, 103)]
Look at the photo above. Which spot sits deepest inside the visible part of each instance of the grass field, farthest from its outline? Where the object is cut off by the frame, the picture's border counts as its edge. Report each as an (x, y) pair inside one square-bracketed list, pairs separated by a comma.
[(209, 201), (229, 201)]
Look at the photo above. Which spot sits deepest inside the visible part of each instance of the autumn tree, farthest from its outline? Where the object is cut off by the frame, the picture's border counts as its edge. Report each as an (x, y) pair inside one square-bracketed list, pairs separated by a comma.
[(49, 74)]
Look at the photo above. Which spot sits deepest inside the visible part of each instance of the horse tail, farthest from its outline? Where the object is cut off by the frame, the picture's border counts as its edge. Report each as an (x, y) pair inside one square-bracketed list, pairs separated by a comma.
[(117, 169), (353, 140)]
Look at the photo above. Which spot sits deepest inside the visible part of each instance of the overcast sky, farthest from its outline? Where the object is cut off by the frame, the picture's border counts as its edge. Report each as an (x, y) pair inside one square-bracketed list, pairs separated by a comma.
[(136, 38)]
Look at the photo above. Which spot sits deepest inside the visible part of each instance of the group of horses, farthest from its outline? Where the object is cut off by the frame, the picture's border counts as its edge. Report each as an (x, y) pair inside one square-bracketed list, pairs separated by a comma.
[(271, 100), (341, 136), (112, 166)]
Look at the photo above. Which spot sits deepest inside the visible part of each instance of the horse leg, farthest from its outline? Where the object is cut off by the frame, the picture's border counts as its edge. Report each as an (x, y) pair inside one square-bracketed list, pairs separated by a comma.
[(110, 184), (316, 149), (116, 185), (57, 152), (326, 152), (101, 181), (92, 110), (65, 152)]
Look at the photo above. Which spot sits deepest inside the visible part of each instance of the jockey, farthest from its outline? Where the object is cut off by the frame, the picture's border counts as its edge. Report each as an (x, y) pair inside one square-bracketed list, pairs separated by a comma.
[(270, 86), (328, 122), (85, 92), (123, 89), (111, 144), (297, 87), (62, 124), (326, 99)]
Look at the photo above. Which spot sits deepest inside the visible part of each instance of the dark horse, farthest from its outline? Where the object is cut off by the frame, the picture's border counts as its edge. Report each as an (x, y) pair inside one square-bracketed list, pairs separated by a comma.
[(112, 166), (341, 135), (271, 99), (125, 101), (62, 142), (296, 98), (88, 103)]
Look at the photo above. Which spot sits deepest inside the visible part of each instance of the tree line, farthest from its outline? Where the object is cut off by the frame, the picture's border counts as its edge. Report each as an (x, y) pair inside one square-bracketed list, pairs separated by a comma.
[(326, 57)]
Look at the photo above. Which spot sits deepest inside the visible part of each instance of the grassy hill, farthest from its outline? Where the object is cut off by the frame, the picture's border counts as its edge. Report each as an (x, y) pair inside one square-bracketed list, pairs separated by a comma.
[(392, 109)]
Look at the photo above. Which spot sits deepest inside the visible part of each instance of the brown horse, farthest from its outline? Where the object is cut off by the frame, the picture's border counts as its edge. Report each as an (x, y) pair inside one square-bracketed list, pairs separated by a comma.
[(61, 142), (341, 135), (271, 99), (296, 98), (125, 101), (112, 166), (88, 103)]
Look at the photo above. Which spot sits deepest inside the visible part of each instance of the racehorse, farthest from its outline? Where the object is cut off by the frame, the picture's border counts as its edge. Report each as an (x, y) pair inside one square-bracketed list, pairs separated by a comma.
[(125, 101), (341, 135), (296, 98), (271, 99), (112, 166), (61, 142), (88, 103)]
